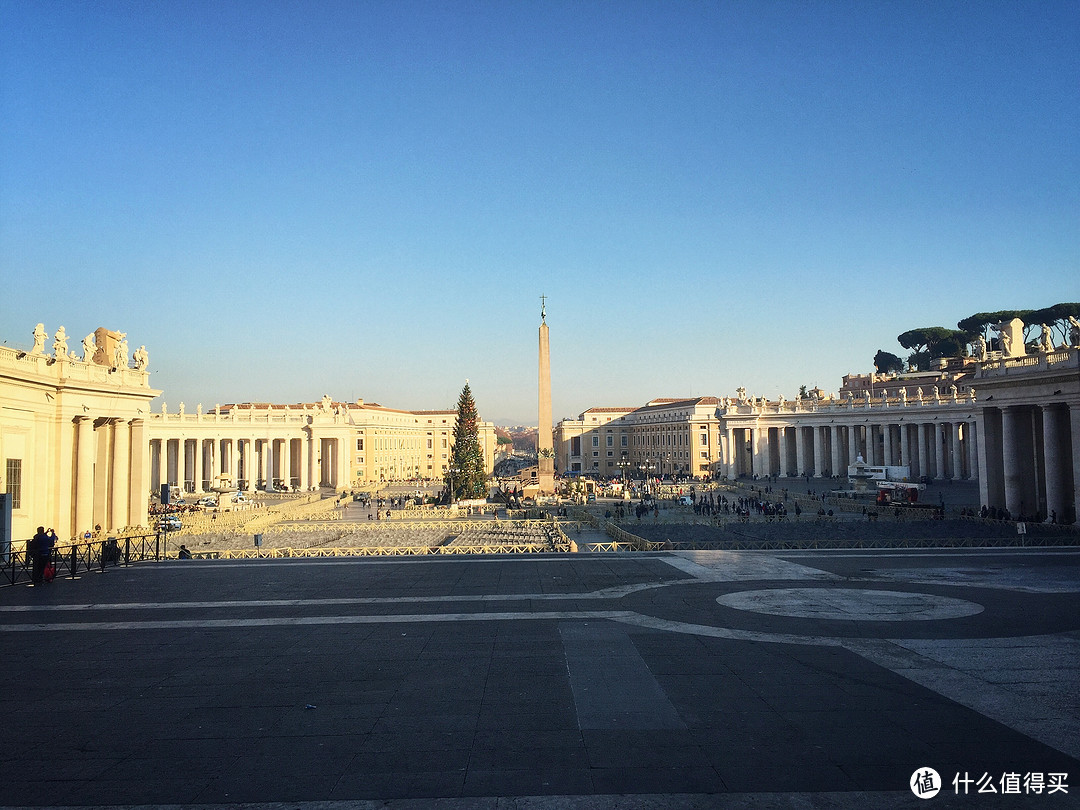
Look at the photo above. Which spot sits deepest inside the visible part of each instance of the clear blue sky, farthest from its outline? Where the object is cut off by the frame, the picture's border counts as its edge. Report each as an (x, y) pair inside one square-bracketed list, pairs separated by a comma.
[(366, 199)]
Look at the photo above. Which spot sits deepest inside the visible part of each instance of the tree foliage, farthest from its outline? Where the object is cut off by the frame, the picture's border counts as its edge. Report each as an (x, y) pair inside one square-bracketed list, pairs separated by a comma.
[(928, 342), (885, 362), (465, 476), (1056, 317), (979, 323)]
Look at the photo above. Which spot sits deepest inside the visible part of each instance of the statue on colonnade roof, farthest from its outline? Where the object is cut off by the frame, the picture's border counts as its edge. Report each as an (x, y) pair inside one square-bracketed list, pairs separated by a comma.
[(60, 347)]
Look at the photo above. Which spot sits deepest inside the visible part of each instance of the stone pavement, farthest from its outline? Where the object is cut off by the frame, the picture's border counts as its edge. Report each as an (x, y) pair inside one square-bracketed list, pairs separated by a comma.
[(670, 680)]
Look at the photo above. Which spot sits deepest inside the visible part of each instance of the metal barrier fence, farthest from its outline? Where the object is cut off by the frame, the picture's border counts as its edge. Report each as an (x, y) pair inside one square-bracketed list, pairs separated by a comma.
[(381, 551), (74, 559)]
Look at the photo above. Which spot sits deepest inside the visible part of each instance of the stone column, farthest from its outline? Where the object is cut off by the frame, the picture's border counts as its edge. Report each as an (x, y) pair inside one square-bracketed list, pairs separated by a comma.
[(121, 465), (233, 447), (1011, 425), (800, 451), (268, 465), (759, 458), (730, 455), (251, 464), (305, 462), (84, 474), (781, 441), (970, 439), (991, 479), (286, 463), (923, 450), (853, 444), (182, 464), (905, 447), (1074, 419), (1055, 460), (887, 444), (837, 456), (342, 459), (818, 436), (139, 475), (957, 453), (939, 453)]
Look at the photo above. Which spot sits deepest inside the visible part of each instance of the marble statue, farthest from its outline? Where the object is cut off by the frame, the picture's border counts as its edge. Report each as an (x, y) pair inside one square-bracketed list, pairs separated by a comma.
[(980, 349), (1074, 331), (1046, 338), (866, 396), (953, 391), (937, 394), (903, 395), (122, 352), (40, 336), (180, 410), (326, 403), (60, 347), (1012, 337), (918, 393), (141, 358), (88, 348)]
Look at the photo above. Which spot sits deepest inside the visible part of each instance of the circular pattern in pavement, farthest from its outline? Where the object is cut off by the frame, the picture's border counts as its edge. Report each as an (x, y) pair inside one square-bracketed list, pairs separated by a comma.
[(850, 603)]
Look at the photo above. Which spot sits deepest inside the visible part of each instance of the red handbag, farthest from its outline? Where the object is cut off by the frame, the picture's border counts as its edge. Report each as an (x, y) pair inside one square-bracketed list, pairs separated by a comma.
[(49, 573)]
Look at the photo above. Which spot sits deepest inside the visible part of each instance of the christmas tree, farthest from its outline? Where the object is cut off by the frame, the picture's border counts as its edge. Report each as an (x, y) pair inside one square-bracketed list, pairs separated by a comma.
[(465, 476)]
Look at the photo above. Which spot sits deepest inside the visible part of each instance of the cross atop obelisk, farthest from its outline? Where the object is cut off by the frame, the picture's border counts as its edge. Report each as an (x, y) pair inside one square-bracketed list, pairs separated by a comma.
[(545, 450)]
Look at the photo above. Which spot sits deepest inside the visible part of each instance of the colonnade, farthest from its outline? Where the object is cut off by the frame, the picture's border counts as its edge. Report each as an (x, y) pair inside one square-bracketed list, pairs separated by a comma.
[(203, 464), (1032, 460), (109, 476), (771, 445)]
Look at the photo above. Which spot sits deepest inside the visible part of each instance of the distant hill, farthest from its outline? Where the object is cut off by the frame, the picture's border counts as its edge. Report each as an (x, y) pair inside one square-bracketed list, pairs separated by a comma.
[(523, 438)]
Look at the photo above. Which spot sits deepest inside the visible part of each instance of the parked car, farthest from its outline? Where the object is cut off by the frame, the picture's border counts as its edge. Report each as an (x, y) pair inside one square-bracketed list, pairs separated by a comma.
[(207, 502), (170, 523)]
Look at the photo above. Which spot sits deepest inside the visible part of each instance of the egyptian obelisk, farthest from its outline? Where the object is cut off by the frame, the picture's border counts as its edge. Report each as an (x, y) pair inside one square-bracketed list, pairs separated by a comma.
[(545, 449)]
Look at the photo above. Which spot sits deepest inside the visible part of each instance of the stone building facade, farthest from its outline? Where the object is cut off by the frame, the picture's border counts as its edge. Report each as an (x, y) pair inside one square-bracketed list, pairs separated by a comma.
[(82, 448), (258, 446), (1015, 428)]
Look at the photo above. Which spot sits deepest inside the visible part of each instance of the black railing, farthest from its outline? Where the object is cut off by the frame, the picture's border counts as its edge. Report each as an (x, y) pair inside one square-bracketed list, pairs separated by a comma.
[(71, 560)]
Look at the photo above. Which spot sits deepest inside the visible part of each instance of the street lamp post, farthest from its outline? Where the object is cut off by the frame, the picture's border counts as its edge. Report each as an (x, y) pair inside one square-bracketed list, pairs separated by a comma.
[(452, 471)]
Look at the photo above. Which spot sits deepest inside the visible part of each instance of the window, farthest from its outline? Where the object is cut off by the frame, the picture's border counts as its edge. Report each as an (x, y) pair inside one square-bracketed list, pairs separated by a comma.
[(429, 444), (359, 444), (14, 482), (610, 440), (595, 441), (575, 445), (622, 441)]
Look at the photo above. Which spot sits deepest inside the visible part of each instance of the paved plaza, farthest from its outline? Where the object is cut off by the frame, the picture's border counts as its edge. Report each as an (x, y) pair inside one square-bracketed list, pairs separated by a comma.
[(668, 680)]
